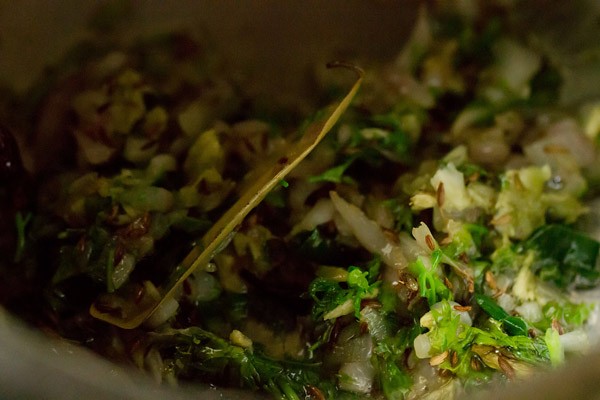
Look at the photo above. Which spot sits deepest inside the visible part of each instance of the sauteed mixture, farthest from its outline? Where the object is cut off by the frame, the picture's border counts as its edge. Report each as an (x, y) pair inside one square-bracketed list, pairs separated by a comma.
[(427, 246)]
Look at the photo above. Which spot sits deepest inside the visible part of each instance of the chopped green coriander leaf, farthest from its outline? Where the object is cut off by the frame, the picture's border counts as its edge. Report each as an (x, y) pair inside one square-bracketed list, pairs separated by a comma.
[(335, 174), (431, 286), (333, 300)]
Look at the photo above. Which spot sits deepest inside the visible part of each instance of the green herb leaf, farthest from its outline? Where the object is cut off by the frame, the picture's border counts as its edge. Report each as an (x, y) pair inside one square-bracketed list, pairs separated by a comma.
[(335, 174), (512, 325), (515, 326), (569, 315), (21, 223), (431, 286), (329, 294), (555, 348), (204, 354), (395, 382), (565, 256)]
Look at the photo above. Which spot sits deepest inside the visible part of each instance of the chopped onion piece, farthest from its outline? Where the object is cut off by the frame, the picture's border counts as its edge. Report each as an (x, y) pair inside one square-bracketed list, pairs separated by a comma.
[(321, 213), (203, 287), (369, 234), (576, 341), (345, 308), (456, 197), (422, 346), (163, 313), (122, 270), (357, 377), (507, 302), (424, 238), (154, 364), (410, 247), (531, 311)]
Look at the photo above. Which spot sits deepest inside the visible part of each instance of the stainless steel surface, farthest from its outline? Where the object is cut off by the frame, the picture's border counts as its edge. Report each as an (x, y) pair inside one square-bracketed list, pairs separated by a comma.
[(33, 366)]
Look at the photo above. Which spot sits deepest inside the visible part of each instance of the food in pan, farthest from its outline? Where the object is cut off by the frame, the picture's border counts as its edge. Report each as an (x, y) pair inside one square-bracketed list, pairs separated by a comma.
[(424, 245)]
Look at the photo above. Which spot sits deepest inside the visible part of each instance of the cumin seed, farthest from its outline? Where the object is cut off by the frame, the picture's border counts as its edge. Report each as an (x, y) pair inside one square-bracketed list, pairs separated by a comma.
[(430, 242), (557, 326), (475, 364), (440, 194), (454, 359), (458, 307), (491, 280), (505, 366), (438, 359), (448, 284)]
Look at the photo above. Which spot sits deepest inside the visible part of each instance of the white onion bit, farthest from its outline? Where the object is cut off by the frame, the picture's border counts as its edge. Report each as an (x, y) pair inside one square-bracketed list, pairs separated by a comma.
[(357, 377), (369, 234)]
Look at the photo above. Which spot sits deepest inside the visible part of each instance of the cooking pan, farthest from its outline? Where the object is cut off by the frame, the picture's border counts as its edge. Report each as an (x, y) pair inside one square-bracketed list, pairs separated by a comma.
[(276, 42)]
